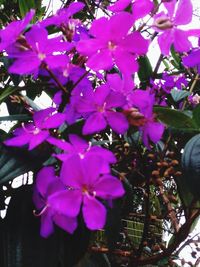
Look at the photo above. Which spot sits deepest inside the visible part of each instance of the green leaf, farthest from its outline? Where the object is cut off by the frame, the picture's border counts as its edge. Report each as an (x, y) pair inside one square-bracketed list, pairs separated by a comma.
[(178, 95), (25, 6), (176, 119), (191, 165), (145, 70), (196, 115), (17, 117), (17, 161), (7, 92)]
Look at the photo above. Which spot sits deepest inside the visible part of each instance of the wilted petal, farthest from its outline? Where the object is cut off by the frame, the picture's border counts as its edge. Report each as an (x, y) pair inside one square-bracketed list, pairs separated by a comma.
[(95, 123), (94, 213), (117, 121), (109, 187)]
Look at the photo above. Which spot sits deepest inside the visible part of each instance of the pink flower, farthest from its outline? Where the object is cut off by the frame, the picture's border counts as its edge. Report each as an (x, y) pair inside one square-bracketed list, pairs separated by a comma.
[(168, 23)]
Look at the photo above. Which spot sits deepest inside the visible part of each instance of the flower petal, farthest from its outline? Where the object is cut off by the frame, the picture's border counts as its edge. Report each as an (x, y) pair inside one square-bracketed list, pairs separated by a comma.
[(37, 139), (117, 121), (109, 187), (95, 123), (66, 223), (47, 226), (44, 178), (94, 213), (66, 202)]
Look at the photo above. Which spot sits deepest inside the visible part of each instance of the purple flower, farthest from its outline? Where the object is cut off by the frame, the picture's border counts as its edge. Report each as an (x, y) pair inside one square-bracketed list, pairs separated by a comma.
[(171, 81), (47, 184), (37, 132), (85, 183), (139, 8), (150, 129), (193, 59), (62, 16), (9, 35), (113, 45), (39, 49), (80, 147), (178, 14), (99, 110)]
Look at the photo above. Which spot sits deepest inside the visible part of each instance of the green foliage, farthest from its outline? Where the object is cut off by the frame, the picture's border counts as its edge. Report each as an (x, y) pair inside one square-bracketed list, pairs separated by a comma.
[(191, 165), (176, 119)]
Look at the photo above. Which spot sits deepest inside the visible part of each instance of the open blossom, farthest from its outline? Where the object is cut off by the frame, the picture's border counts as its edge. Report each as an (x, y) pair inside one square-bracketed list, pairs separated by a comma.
[(37, 132), (151, 129), (85, 183), (46, 185), (9, 35), (62, 15), (38, 49), (139, 8), (113, 45), (99, 110), (80, 147), (168, 23)]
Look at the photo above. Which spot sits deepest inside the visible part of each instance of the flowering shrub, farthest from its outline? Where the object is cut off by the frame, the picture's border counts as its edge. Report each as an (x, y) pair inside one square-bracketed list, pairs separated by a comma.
[(116, 127)]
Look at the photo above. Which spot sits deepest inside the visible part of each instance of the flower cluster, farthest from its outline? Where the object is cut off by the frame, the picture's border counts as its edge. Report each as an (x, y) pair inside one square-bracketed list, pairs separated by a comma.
[(92, 74)]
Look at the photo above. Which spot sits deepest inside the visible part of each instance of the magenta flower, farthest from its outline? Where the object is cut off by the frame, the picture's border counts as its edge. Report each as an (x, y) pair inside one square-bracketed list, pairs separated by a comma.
[(139, 8), (85, 183), (193, 59), (168, 23), (151, 129), (47, 184), (40, 49), (62, 15), (99, 110), (9, 35), (80, 147), (113, 45), (37, 132)]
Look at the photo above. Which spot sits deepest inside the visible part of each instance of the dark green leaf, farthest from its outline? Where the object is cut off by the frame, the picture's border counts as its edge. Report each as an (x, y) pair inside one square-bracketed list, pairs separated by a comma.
[(17, 117), (176, 119), (7, 92), (17, 161), (196, 115), (145, 70), (191, 165)]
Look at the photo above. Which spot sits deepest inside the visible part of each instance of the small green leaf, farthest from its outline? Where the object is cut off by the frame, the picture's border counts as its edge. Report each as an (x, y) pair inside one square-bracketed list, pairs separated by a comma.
[(178, 95), (6, 92), (145, 70)]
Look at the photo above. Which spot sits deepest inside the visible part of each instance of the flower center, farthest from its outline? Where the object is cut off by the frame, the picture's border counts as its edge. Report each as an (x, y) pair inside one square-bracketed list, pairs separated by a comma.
[(101, 108), (111, 46), (163, 23), (41, 56)]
